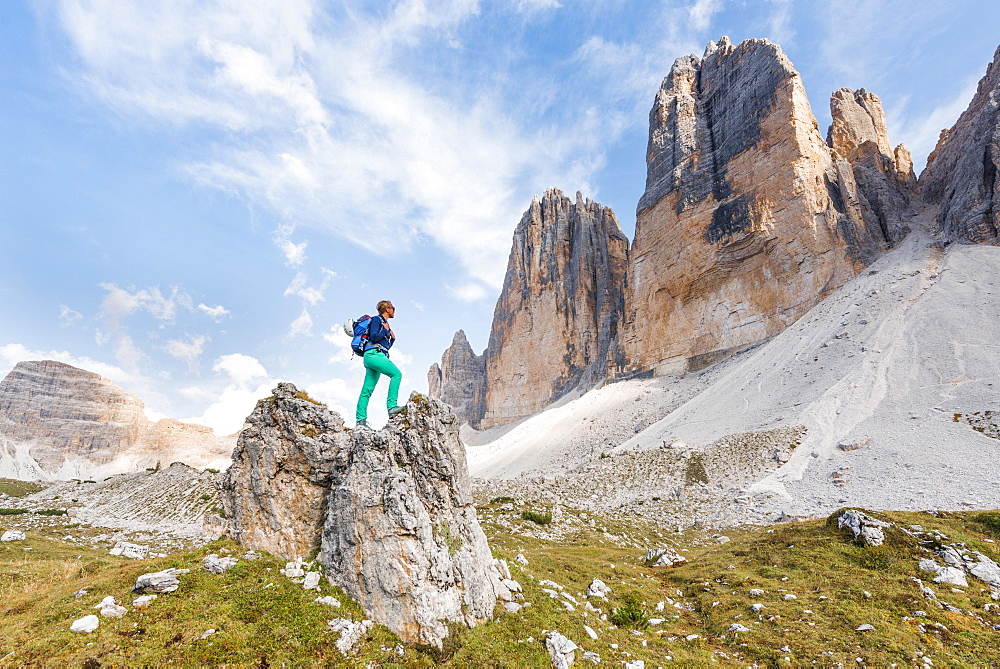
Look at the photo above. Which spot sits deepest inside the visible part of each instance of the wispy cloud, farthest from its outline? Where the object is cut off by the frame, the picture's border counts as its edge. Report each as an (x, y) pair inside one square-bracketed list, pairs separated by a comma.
[(11, 354), (216, 313), (301, 326), (246, 381), (188, 351), (68, 316)]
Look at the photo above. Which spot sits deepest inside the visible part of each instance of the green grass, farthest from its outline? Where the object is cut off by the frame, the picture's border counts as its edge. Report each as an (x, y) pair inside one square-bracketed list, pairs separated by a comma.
[(15, 488), (264, 618), (51, 512), (537, 517), (12, 512)]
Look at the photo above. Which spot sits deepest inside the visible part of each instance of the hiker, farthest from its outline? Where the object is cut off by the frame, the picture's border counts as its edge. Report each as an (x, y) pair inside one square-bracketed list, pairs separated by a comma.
[(377, 363)]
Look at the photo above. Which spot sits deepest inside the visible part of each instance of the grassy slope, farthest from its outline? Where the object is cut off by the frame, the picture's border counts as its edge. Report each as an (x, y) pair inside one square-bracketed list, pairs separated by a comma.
[(262, 624)]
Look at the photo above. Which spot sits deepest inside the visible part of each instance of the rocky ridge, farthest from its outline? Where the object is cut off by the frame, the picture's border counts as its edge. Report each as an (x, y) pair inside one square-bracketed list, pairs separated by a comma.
[(59, 422), (391, 511)]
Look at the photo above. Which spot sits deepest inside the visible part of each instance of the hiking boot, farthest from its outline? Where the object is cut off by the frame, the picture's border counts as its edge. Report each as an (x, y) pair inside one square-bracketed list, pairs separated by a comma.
[(363, 424), (395, 410)]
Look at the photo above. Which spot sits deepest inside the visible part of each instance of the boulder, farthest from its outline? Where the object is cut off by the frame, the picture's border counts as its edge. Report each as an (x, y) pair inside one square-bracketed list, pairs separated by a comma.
[(86, 624), (663, 557), (12, 535), (275, 493), (350, 633), (110, 609), (561, 650), (866, 529), (218, 565), (160, 581), (129, 550), (598, 588), (401, 536)]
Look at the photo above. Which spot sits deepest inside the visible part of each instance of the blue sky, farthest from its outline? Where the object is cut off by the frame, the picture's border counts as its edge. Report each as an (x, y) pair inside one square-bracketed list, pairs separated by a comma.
[(195, 194)]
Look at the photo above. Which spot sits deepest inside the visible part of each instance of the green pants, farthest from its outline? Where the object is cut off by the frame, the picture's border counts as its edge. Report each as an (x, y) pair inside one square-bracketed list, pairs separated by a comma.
[(377, 363)]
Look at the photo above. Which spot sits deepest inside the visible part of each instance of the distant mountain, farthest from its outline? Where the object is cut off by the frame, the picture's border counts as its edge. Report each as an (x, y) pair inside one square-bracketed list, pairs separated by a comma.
[(58, 422)]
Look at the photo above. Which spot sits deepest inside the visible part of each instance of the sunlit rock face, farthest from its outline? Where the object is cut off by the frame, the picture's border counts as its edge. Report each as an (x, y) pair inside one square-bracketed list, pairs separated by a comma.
[(460, 379), (61, 422), (961, 179), (749, 218)]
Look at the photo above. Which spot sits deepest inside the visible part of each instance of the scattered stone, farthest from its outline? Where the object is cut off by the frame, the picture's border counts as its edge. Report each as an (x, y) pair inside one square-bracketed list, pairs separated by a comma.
[(691, 637), (250, 556), (328, 600), (312, 580), (143, 602), (80, 593), (736, 627), (218, 565), (130, 550), (561, 650), (86, 624), (546, 583), (159, 581), (598, 588), (12, 535), (635, 664), (110, 609), (985, 570), (512, 607), (520, 559), (207, 633), (590, 632), (512, 585), (757, 608), (865, 528), (502, 567), (663, 557), (591, 657), (723, 539), (789, 597), (865, 628), (350, 633), (854, 443), (756, 592), (949, 575)]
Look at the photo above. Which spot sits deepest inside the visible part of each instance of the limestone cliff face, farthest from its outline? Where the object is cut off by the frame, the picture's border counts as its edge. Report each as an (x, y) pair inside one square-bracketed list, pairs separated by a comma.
[(557, 318), (61, 422), (748, 218), (961, 178), (876, 180), (460, 380)]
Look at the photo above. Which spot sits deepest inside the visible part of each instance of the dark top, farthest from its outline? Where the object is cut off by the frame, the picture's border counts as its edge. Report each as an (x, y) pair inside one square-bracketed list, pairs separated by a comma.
[(379, 335)]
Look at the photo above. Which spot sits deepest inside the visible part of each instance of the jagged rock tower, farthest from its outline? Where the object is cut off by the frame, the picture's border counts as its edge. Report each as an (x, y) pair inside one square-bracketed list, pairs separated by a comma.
[(556, 322), (749, 218)]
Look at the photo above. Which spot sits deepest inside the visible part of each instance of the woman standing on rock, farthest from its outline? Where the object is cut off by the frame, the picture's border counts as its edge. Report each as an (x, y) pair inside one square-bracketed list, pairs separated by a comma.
[(377, 363)]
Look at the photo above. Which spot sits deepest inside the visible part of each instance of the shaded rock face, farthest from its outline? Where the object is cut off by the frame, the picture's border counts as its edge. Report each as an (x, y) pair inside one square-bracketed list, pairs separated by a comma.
[(748, 219), (61, 422), (880, 183), (275, 493), (401, 535), (460, 380), (557, 317), (961, 175)]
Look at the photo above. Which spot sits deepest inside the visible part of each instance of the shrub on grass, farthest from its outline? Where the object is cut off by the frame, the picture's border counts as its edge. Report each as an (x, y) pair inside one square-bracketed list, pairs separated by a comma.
[(51, 512), (878, 558), (501, 500), (12, 512), (991, 519), (630, 613), (540, 518)]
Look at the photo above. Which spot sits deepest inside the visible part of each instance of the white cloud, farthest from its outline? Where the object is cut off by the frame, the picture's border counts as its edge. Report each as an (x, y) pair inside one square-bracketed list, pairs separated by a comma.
[(241, 369), (228, 412), (187, 351), (119, 302), (330, 130), (301, 326), (337, 394), (341, 343), (311, 295), (67, 316), (701, 12), (537, 5), (468, 292), (779, 23), (295, 254), (216, 313)]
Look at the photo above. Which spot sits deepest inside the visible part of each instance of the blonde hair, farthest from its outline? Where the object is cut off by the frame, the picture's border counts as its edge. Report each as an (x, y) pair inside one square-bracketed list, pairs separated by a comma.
[(383, 306)]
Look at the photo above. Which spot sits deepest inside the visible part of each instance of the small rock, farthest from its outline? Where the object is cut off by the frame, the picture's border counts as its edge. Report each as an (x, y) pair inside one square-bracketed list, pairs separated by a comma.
[(110, 609), (130, 550), (218, 565), (512, 585), (312, 581), (207, 633), (867, 529), (591, 657), (350, 633), (520, 559), (328, 600), (86, 624), (756, 592), (635, 664), (722, 539), (663, 557), (789, 597), (561, 650), (854, 443), (16, 535), (865, 628), (590, 632), (80, 593), (598, 588), (691, 637), (757, 607), (160, 581), (736, 627), (143, 602), (250, 556), (512, 607)]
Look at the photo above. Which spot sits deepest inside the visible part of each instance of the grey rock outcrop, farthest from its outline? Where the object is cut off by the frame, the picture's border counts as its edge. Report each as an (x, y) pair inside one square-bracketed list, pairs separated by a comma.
[(556, 321), (401, 535), (275, 493), (961, 178), (61, 422), (460, 379)]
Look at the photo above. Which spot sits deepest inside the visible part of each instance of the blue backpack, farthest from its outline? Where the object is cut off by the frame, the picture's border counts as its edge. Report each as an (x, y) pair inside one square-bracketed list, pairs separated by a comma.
[(358, 331)]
